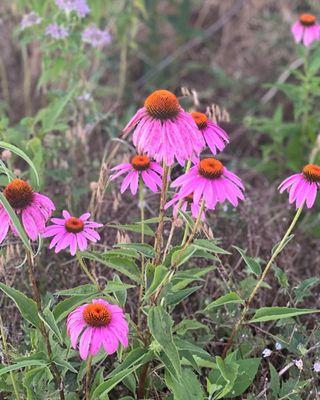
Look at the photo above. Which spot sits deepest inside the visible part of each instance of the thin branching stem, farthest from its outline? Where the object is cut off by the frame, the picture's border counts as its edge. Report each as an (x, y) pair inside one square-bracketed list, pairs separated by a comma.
[(246, 308)]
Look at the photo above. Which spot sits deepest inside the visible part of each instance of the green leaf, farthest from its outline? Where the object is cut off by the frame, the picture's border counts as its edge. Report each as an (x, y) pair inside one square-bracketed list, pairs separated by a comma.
[(86, 289), (189, 325), (160, 325), (49, 116), (23, 155), (125, 265), (181, 279), (48, 318), (16, 222), (209, 246), (133, 228), (175, 297), (275, 313), (160, 272), (27, 306), (274, 381), (302, 290), (192, 348), (229, 298), (142, 248), (247, 371), (134, 360), (229, 372), (180, 257), (20, 365), (64, 307), (190, 387), (252, 264)]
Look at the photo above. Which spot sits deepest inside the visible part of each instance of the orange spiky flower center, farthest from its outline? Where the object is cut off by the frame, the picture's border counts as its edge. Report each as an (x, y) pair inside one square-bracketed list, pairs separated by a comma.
[(18, 193), (140, 162), (311, 172), (200, 119), (97, 315), (162, 104), (74, 225), (210, 168), (307, 19)]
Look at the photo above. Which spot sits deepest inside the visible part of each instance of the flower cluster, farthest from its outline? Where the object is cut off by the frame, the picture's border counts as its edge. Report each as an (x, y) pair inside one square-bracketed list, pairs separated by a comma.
[(95, 36), (164, 131), (56, 31), (30, 19), (80, 7)]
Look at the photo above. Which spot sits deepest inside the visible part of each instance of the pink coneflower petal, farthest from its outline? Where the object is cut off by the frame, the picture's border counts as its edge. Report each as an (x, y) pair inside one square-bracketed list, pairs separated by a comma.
[(33, 208), (164, 131), (85, 342), (306, 29), (302, 187), (99, 324), (4, 223), (73, 232), (211, 182), (140, 166)]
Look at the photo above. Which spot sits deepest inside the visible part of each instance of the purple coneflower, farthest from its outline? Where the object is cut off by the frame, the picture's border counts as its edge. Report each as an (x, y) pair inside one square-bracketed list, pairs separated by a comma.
[(163, 130), (215, 137), (30, 19), (56, 31), (139, 165), (95, 36), (72, 232), (302, 187), (79, 6), (306, 29), (100, 324), (34, 208), (210, 181)]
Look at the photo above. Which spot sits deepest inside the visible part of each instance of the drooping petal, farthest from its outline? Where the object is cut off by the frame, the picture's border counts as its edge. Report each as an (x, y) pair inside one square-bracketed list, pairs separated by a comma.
[(85, 342)]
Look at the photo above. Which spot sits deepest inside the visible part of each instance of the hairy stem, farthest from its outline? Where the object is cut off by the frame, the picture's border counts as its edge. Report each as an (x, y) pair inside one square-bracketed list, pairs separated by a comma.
[(163, 199), (88, 377), (142, 381), (245, 310), (142, 217)]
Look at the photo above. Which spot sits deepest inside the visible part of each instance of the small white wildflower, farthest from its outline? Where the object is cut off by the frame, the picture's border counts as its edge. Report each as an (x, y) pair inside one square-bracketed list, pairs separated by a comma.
[(316, 366), (266, 353), (298, 364), (278, 346)]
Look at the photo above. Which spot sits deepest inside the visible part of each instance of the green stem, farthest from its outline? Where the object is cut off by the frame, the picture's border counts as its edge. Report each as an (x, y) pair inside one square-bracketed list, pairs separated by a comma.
[(142, 216), (163, 198), (88, 377), (173, 267), (6, 353), (245, 310), (86, 271)]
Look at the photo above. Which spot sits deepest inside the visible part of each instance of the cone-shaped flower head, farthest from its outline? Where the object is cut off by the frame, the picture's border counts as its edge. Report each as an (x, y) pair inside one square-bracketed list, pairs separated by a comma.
[(215, 137), (306, 29), (210, 181), (303, 187), (100, 324), (34, 208), (139, 166), (164, 131), (72, 232)]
